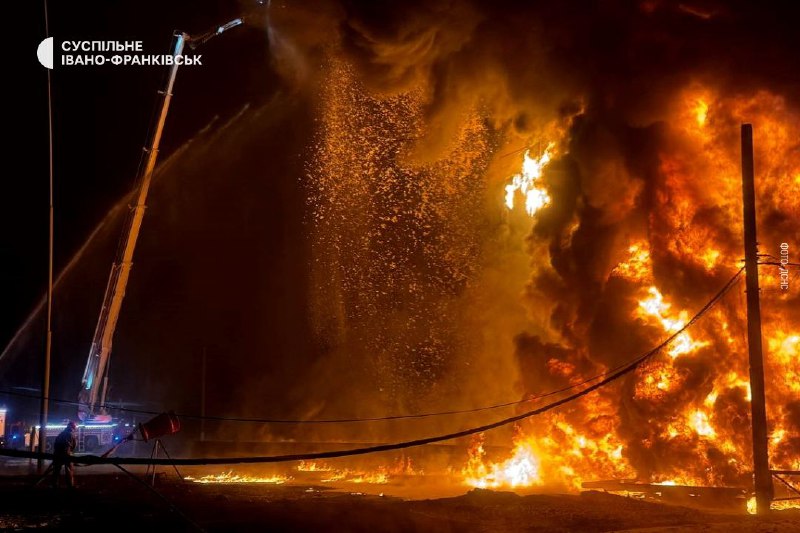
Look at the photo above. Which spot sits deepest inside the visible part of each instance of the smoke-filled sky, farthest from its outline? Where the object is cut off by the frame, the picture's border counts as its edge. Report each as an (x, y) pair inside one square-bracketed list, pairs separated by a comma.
[(336, 240)]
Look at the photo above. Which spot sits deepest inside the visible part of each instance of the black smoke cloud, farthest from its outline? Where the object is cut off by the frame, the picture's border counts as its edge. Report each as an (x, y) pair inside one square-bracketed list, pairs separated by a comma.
[(526, 61)]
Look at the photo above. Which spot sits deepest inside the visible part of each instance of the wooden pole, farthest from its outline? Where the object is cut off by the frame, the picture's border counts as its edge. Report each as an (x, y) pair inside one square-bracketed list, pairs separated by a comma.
[(763, 478)]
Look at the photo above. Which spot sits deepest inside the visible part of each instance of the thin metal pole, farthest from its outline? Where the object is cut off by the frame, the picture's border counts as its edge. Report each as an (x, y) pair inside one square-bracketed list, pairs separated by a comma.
[(763, 478), (48, 343), (203, 399)]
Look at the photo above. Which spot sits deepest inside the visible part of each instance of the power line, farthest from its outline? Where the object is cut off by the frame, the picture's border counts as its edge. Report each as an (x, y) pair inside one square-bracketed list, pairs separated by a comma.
[(93, 459), (365, 419), (184, 416)]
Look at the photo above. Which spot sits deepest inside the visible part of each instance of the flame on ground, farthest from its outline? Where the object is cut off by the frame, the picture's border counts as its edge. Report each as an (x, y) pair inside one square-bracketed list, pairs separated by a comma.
[(312, 466), (231, 477), (403, 466), (381, 475)]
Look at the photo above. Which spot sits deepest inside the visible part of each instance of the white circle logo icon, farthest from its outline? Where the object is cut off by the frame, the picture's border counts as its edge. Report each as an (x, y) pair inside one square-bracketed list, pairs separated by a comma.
[(45, 53)]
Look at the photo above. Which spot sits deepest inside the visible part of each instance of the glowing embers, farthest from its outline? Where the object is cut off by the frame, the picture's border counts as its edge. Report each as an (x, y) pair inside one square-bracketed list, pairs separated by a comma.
[(528, 182), (654, 307), (521, 470), (230, 477)]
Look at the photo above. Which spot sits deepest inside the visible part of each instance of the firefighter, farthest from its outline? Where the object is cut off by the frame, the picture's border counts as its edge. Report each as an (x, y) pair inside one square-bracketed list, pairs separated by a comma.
[(63, 448)]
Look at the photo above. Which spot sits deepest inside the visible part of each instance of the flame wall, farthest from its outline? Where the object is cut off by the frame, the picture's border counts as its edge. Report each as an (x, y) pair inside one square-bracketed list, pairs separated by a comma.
[(426, 112)]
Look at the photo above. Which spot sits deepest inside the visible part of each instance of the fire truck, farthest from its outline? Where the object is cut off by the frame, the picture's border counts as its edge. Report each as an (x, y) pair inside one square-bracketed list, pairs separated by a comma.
[(92, 436)]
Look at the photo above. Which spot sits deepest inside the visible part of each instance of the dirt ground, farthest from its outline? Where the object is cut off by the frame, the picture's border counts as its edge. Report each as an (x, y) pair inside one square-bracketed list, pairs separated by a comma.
[(114, 502)]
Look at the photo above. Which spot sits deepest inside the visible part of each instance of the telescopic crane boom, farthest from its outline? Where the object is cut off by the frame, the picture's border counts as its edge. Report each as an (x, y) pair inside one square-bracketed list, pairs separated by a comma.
[(94, 385), (100, 352)]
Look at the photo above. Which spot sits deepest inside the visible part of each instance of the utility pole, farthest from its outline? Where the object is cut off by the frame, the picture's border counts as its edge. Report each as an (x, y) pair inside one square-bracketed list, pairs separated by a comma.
[(45, 399), (762, 475)]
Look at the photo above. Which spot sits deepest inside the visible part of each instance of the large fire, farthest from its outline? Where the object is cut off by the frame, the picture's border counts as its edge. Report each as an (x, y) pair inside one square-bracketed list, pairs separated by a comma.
[(690, 405), (628, 234), (682, 418)]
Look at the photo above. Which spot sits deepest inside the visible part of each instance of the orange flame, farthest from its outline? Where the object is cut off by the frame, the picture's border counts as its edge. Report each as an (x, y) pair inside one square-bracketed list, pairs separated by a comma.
[(690, 423), (527, 182), (230, 477)]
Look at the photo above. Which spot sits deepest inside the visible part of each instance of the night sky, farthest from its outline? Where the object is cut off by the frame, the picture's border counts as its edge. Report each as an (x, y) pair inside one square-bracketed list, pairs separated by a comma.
[(100, 119)]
